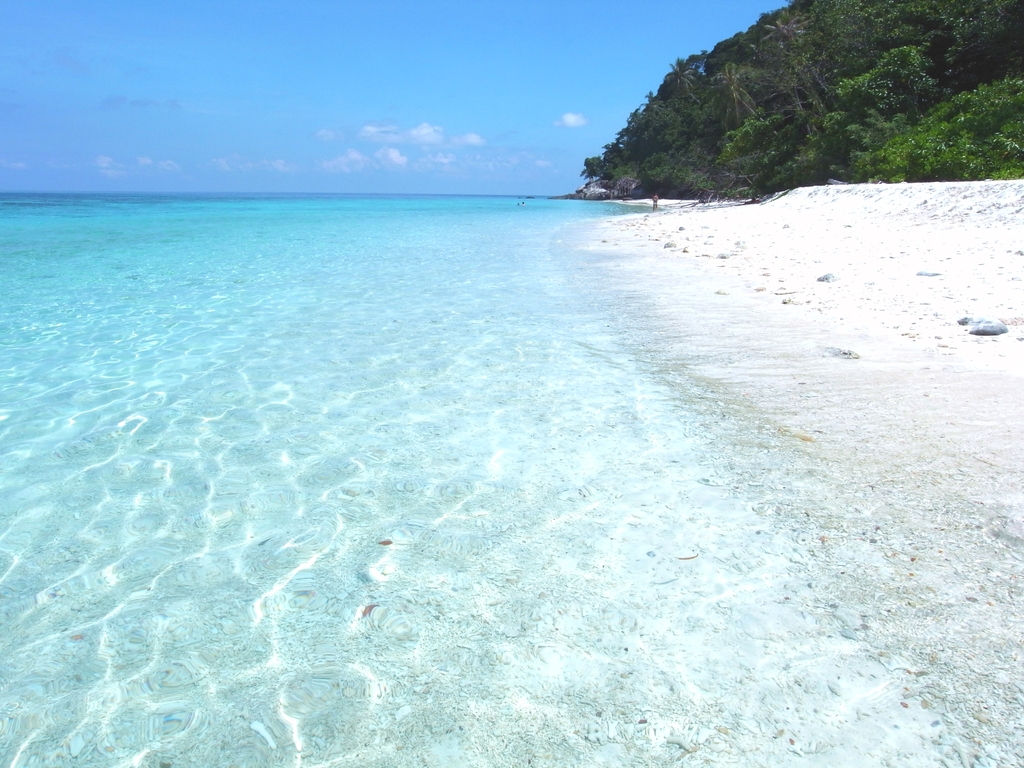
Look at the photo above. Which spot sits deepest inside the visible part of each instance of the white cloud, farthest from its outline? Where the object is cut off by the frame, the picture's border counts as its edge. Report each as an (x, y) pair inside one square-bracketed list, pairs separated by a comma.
[(276, 165), (163, 165), (236, 162), (468, 140), (380, 133), (571, 120), (326, 134), (350, 162), (109, 167), (423, 135), (390, 157), (542, 163), (13, 166), (440, 158)]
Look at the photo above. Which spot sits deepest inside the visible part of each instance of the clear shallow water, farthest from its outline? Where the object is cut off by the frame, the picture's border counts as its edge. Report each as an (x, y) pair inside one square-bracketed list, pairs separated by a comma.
[(212, 414), (342, 481)]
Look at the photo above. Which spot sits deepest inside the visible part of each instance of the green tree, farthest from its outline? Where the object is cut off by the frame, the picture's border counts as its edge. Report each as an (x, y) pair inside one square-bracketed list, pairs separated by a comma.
[(731, 99), (976, 135), (593, 168), (834, 88), (898, 84), (682, 78)]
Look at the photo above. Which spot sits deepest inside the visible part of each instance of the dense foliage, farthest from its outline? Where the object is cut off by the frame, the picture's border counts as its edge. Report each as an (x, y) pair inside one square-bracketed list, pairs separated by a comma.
[(855, 90)]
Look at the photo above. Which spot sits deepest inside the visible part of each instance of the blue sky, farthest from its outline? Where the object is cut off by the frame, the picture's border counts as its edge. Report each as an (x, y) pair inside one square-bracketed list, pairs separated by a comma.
[(315, 96)]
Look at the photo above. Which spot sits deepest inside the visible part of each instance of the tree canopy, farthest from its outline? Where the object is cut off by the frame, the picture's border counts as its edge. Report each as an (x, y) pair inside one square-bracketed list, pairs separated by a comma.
[(857, 90)]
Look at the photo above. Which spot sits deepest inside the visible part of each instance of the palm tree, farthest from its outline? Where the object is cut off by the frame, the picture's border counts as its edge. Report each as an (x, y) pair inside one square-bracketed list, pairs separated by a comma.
[(682, 77), (799, 77), (787, 28), (731, 98)]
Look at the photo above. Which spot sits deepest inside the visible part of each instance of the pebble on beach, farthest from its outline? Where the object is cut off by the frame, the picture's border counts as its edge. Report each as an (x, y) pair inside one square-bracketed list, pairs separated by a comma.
[(846, 354), (984, 327)]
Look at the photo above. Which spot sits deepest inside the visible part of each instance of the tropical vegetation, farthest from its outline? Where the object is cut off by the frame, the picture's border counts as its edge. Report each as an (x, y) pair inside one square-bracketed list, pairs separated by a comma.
[(852, 90)]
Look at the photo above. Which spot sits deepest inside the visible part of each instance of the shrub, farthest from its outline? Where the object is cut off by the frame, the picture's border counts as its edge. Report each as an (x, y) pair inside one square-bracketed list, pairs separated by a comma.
[(976, 135)]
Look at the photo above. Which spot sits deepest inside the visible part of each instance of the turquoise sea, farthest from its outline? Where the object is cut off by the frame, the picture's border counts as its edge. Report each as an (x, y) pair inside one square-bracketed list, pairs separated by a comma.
[(368, 481), (213, 409)]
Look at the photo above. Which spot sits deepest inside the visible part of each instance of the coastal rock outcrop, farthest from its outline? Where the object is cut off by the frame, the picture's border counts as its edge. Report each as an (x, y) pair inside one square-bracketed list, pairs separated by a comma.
[(599, 189), (594, 190), (627, 187)]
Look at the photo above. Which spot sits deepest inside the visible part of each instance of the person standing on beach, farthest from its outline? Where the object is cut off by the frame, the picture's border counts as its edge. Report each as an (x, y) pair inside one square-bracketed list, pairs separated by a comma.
[(655, 200)]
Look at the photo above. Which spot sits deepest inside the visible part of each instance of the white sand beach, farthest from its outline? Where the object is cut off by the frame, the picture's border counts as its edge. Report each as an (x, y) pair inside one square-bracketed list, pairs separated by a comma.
[(879, 435)]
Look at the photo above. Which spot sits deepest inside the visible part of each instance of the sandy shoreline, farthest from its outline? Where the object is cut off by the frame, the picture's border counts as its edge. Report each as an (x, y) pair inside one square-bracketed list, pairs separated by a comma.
[(901, 463), (750, 277)]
